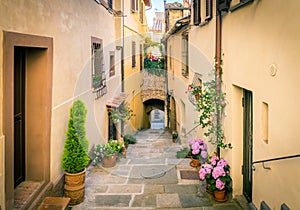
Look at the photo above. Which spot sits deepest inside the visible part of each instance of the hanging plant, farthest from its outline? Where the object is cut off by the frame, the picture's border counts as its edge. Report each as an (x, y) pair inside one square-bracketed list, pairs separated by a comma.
[(123, 112)]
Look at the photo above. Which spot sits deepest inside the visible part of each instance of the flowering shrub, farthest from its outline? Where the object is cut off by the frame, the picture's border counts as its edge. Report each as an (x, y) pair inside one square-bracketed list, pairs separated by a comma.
[(113, 147), (198, 149), (154, 64), (217, 174)]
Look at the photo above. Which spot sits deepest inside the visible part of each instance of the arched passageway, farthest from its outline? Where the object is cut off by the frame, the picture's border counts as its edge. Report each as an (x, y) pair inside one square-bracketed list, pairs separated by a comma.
[(154, 109)]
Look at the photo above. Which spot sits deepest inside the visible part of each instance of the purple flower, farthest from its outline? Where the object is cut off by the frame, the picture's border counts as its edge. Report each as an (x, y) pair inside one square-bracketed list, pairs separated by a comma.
[(220, 185), (218, 171)]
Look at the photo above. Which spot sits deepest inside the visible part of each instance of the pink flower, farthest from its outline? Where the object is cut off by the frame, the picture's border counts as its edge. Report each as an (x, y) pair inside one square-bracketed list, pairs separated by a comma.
[(214, 160), (222, 163), (218, 171), (207, 168), (204, 154), (202, 173), (220, 185)]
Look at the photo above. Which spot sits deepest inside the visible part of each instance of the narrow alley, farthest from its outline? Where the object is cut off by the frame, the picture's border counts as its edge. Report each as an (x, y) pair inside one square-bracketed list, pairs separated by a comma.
[(150, 177)]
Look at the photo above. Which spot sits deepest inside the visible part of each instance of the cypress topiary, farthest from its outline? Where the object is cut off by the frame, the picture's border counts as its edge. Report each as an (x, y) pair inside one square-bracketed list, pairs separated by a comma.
[(75, 158), (79, 118)]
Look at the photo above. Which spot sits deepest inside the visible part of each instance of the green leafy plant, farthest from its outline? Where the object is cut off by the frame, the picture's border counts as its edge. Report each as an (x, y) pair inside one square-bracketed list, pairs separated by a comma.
[(216, 172), (79, 119), (211, 105), (75, 158), (129, 139), (174, 134), (97, 80), (112, 147), (183, 153), (123, 112)]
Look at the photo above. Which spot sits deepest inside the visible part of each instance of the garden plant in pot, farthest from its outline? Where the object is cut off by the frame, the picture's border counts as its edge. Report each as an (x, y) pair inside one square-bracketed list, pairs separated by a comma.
[(75, 157), (198, 152), (216, 172), (108, 153), (174, 136)]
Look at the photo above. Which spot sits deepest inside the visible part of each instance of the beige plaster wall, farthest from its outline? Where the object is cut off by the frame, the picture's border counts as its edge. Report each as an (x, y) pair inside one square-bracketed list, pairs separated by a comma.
[(71, 25), (257, 39)]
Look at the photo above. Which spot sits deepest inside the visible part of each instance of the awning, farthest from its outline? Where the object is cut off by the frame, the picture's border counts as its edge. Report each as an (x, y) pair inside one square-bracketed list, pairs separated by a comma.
[(116, 101)]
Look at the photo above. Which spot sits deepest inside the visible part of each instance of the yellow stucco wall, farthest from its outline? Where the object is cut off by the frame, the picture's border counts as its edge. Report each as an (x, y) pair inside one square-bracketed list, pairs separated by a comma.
[(135, 31), (71, 25), (257, 39), (261, 44)]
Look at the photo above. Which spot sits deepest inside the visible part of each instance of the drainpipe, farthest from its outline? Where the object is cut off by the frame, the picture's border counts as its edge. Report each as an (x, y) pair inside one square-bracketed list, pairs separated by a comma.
[(218, 53)]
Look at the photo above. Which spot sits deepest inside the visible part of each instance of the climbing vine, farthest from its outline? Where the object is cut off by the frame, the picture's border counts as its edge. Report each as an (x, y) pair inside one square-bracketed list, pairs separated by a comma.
[(211, 103)]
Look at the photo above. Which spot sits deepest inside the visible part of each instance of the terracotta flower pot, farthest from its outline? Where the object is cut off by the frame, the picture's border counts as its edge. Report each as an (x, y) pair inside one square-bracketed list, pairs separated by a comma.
[(195, 163), (220, 196), (109, 161), (74, 187)]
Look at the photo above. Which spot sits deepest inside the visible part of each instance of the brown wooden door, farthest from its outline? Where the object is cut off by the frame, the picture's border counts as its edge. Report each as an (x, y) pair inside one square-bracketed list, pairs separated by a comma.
[(19, 115), (247, 150)]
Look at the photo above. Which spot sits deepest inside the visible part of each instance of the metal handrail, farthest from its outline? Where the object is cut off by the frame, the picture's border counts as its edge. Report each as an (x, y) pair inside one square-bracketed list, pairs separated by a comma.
[(191, 130), (273, 159)]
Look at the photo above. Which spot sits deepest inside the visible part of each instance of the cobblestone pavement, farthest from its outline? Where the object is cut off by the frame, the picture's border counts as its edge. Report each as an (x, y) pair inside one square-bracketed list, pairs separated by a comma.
[(150, 177)]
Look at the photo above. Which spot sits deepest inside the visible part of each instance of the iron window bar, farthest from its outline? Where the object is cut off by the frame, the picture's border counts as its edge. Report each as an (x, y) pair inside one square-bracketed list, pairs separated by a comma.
[(273, 159)]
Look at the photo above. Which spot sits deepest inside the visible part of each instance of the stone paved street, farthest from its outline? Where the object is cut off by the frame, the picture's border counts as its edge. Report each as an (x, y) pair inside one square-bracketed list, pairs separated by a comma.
[(150, 177)]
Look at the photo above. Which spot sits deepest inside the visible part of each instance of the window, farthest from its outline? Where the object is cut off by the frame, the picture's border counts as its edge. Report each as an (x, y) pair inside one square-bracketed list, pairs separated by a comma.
[(141, 57), (134, 4), (141, 12), (110, 4), (265, 122), (185, 54), (208, 10), (98, 74), (97, 56), (197, 12), (133, 54), (112, 63)]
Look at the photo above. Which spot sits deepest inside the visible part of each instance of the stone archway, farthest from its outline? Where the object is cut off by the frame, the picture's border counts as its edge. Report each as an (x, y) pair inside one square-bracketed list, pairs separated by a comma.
[(153, 104)]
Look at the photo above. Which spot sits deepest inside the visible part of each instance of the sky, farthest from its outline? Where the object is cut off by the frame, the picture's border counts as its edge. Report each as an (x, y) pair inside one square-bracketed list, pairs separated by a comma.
[(157, 6)]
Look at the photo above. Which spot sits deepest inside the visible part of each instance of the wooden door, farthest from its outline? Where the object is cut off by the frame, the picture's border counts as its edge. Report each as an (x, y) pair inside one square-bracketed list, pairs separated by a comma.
[(247, 145), (19, 115)]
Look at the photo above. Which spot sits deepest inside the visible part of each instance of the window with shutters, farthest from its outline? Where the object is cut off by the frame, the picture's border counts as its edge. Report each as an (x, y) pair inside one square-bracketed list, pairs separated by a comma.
[(111, 63), (208, 10), (141, 57), (133, 54), (110, 4), (185, 54), (196, 12), (141, 12)]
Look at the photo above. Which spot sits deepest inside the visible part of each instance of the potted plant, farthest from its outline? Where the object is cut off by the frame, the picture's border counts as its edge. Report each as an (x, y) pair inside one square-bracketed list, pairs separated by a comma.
[(217, 175), (174, 136), (198, 151), (107, 153), (75, 158)]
